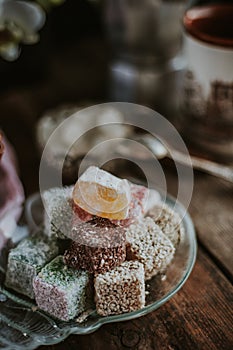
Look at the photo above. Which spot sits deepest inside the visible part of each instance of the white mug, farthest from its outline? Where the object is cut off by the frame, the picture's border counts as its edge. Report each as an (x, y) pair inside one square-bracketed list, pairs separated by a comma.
[(206, 100)]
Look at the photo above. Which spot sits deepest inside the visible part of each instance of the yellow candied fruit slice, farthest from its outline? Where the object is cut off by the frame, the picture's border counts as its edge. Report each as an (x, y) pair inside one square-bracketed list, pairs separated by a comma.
[(102, 194), (107, 194), (94, 204)]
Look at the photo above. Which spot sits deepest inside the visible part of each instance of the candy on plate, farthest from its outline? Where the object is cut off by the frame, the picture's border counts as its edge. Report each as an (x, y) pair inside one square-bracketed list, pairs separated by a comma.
[(26, 260), (103, 194), (61, 291), (97, 246), (148, 244), (121, 289)]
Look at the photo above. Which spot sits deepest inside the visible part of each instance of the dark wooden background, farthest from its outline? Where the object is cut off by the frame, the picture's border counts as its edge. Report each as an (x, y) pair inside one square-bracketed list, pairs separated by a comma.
[(70, 64)]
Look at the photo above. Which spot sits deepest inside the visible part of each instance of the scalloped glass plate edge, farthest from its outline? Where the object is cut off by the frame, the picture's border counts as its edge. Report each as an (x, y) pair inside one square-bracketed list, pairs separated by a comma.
[(64, 330)]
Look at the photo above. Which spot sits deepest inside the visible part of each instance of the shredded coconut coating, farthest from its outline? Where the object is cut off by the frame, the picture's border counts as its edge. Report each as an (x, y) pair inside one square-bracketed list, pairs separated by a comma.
[(54, 198), (148, 244), (153, 199), (61, 291), (100, 193), (121, 289), (96, 246), (26, 260), (98, 233), (62, 214), (169, 221), (58, 211)]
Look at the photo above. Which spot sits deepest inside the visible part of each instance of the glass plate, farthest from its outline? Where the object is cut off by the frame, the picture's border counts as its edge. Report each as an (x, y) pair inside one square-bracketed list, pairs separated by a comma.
[(24, 327)]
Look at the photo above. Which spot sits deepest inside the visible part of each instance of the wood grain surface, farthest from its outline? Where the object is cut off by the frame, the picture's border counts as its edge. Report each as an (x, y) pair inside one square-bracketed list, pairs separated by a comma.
[(211, 210), (199, 316)]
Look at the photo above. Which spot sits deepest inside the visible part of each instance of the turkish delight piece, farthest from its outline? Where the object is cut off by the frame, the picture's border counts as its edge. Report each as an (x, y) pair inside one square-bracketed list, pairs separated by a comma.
[(169, 221), (148, 244), (142, 200), (153, 199), (26, 260), (61, 291), (81, 214), (58, 211), (121, 289), (97, 246), (137, 207), (103, 194)]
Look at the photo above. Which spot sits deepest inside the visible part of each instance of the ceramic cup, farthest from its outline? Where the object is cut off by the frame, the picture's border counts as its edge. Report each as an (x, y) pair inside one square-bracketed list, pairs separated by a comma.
[(206, 101)]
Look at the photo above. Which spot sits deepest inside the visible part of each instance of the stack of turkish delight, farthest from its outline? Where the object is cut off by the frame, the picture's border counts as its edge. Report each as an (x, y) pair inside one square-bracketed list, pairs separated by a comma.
[(103, 238)]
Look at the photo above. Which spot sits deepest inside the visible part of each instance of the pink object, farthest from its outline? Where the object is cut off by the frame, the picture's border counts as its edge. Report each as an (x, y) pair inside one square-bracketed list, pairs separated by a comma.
[(11, 192), (81, 214), (139, 195)]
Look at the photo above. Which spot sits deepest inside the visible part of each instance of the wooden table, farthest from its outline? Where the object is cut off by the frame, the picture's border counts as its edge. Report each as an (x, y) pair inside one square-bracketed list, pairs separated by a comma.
[(200, 315)]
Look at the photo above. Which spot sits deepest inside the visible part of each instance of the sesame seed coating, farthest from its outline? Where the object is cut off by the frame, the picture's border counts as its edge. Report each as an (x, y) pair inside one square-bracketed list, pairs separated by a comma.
[(169, 221), (121, 289), (148, 244)]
